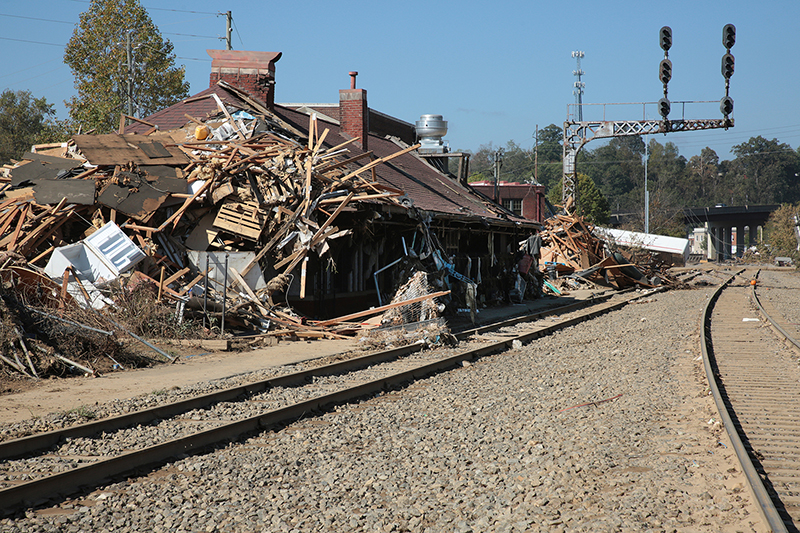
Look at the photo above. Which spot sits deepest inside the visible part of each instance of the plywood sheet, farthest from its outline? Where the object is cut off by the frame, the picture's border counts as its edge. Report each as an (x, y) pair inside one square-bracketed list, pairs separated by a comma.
[(75, 191), (45, 167), (115, 149)]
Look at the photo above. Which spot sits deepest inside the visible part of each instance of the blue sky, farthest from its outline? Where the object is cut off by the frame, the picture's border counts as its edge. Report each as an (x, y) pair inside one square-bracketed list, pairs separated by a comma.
[(494, 70)]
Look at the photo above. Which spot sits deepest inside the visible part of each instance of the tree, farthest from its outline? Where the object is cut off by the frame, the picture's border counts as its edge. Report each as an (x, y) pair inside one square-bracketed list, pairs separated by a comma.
[(703, 177), (780, 231), (550, 152), (24, 121), (618, 170), (516, 163), (591, 204), (764, 172), (97, 55)]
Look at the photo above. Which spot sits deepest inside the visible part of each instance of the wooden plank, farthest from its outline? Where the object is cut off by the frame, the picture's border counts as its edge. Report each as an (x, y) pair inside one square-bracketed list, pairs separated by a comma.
[(289, 258), (303, 278), (353, 159), (381, 160), (9, 218), (250, 294), (192, 283), (175, 218), (176, 275), (312, 126), (42, 255), (13, 244), (362, 197), (190, 117), (378, 310), (161, 284), (224, 110)]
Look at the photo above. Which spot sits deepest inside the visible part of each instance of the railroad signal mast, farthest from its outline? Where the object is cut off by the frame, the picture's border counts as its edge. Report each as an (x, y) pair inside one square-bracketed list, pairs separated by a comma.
[(578, 132)]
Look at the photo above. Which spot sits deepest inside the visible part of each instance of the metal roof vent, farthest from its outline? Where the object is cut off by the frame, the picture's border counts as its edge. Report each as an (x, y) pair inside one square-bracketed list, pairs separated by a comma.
[(430, 130)]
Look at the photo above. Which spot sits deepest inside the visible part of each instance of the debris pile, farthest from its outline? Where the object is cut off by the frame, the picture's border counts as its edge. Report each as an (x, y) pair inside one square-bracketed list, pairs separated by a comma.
[(573, 255), (193, 213), (427, 309), (43, 334)]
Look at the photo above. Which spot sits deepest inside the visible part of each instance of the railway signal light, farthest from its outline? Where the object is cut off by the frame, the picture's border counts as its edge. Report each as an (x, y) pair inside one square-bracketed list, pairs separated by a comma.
[(665, 38), (665, 71), (728, 36), (726, 106), (663, 107), (727, 66)]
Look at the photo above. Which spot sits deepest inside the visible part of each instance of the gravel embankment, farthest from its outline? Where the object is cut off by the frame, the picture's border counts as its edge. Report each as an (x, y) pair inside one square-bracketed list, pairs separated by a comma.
[(507, 443)]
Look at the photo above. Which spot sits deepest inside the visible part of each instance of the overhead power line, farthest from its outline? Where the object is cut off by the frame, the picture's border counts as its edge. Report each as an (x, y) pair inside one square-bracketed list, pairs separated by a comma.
[(36, 18), (33, 42), (160, 8)]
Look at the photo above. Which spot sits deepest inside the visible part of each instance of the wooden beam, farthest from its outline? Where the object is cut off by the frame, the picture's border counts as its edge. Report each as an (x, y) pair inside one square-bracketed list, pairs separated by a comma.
[(250, 294), (176, 275), (381, 160), (378, 310)]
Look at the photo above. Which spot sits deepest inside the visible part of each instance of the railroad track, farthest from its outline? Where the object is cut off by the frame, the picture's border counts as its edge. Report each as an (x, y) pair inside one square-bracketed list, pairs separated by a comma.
[(42, 468), (755, 379)]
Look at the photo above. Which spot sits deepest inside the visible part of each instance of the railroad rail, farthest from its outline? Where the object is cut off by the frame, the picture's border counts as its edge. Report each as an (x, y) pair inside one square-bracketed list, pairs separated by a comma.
[(45, 467), (755, 381)]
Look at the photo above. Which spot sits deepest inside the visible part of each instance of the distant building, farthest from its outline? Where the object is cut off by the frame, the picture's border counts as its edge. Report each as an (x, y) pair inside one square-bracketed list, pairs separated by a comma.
[(522, 199)]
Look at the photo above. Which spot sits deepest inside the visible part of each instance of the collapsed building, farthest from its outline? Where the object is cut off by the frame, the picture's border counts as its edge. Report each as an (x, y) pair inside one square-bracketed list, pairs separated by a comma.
[(324, 209)]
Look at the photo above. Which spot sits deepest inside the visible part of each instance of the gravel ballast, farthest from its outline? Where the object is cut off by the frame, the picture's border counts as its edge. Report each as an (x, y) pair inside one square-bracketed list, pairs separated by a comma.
[(604, 426)]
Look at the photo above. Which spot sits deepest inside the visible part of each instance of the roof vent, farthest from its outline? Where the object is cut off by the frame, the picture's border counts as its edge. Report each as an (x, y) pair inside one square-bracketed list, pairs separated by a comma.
[(430, 130)]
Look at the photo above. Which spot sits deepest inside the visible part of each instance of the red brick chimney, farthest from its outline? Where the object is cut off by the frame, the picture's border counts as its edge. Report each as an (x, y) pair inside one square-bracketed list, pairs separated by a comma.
[(253, 72), (353, 111)]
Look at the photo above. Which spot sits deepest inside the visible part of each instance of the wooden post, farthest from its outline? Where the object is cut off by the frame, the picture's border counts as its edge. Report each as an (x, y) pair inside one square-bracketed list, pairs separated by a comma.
[(161, 284), (303, 278)]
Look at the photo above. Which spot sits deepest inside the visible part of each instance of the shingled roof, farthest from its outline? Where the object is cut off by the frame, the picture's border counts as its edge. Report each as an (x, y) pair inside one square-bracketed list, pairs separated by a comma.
[(426, 187), (200, 106)]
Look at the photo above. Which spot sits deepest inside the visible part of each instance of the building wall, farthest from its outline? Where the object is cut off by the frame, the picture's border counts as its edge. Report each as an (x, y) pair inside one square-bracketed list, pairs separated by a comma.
[(529, 195)]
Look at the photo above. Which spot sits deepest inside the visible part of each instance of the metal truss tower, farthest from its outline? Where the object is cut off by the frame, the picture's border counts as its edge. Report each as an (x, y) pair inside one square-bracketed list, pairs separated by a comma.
[(578, 133), (579, 85)]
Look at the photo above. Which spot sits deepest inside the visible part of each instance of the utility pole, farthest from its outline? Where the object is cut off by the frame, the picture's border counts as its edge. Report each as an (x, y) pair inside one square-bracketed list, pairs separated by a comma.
[(536, 155), (579, 85), (228, 19), (130, 72), (646, 192), (498, 162)]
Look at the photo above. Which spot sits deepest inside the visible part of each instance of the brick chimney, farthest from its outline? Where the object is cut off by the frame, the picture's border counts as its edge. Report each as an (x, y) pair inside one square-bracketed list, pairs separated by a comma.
[(353, 111), (253, 72)]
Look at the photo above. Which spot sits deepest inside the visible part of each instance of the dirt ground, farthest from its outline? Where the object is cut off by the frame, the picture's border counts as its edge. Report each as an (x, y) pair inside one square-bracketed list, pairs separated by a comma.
[(27, 398)]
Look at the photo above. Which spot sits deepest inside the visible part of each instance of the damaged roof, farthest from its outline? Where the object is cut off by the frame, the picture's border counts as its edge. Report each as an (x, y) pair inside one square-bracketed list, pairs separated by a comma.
[(425, 187)]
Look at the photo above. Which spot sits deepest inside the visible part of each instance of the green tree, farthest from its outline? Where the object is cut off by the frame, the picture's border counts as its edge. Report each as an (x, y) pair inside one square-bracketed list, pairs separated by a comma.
[(764, 172), (618, 170), (703, 177), (780, 231), (591, 203), (97, 55), (516, 163), (549, 157), (24, 121)]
